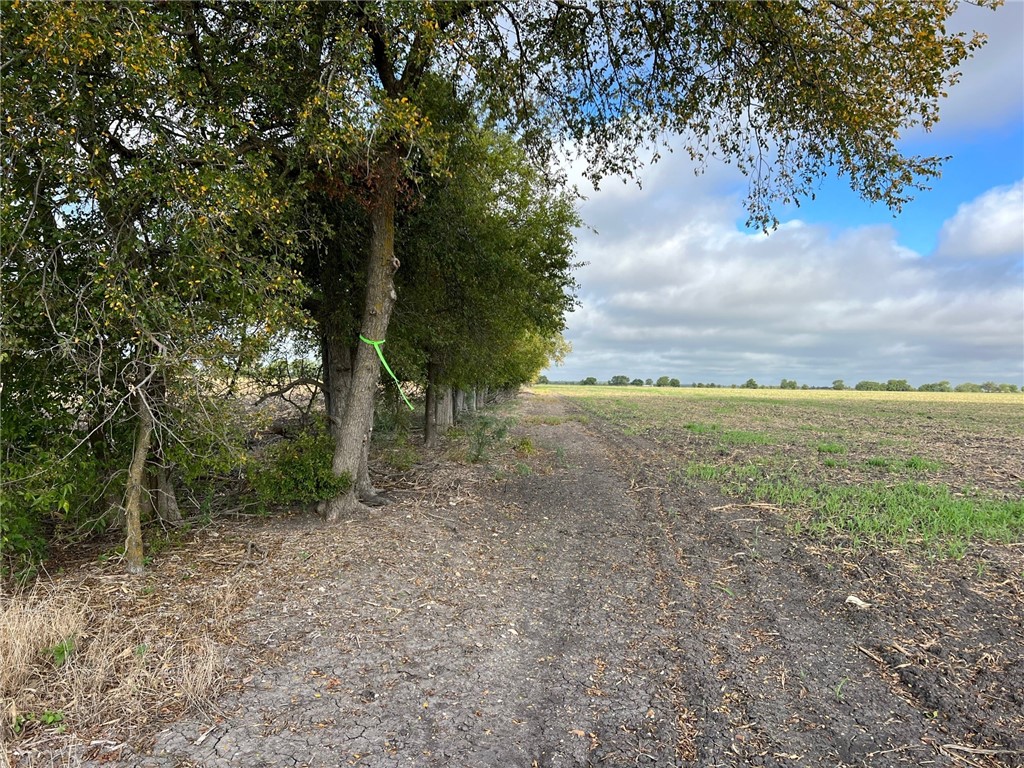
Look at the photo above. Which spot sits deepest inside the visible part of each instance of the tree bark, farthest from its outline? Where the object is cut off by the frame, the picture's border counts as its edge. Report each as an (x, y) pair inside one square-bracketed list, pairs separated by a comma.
[(336, 354), (365, 491), (165, 499), (430, 410), (136, 480), (471, 400), (356, 421), (444, 410), (459, 405)]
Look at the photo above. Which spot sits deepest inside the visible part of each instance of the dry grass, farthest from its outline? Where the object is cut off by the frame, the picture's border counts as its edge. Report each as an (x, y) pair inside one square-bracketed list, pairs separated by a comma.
[(79, 662)]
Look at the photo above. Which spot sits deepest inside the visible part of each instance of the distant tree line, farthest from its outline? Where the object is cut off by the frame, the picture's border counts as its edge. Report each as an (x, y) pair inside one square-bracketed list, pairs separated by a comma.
[(892, 385)]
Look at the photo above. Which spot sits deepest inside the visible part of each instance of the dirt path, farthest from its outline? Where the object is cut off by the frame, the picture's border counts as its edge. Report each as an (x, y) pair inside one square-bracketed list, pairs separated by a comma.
[(585, 611)]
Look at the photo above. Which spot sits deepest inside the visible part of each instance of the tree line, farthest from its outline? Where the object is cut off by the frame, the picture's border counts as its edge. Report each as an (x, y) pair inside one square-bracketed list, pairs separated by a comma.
[(892, 385), (188, 184)]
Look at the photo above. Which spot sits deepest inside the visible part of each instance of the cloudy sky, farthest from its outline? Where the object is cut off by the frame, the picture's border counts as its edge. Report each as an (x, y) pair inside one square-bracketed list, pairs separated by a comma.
[(675, 285)]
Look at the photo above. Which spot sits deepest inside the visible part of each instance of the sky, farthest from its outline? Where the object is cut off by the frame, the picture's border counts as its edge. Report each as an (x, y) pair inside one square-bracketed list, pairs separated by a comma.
[(675, 285)]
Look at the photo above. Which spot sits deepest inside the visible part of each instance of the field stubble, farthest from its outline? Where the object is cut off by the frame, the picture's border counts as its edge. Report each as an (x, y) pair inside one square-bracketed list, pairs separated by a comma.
[(939, 469)]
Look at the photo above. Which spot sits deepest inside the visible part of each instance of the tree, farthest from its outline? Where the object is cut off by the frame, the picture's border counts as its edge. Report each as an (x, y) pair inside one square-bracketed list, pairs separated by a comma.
[(590, 381), (139, 249), (673, 382), (870, 386), (827, 85), (939, 386), (788, 384), (543, 380), (838, 384), (749, 384), (649, 383), (486, 279), (663, 381), (637, 382), (967, 386), (898, 385), (619, 381)]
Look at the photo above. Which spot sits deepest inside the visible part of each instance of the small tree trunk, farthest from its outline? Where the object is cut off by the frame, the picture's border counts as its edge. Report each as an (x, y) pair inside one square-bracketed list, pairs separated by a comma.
[(380, 300), (430, 410), (460, 405), (445, 415), (165, 500), (364, 486), (136, 481), (336, 355), (471, 400)]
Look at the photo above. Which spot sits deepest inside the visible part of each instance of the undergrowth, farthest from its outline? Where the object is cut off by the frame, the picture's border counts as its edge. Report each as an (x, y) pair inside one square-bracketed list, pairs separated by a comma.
[(297, 471), (74, 658)]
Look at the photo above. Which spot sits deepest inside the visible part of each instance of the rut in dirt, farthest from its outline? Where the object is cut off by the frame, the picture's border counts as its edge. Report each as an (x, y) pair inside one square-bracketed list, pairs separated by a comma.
[(584, 612)]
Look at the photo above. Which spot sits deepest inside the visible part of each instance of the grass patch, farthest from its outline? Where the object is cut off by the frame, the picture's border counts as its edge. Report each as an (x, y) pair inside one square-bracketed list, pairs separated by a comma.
[(912, 513), (699, 428), (742, 437), (832, 448), (879, 462), (705, 472), (73, 660), (918, 464)]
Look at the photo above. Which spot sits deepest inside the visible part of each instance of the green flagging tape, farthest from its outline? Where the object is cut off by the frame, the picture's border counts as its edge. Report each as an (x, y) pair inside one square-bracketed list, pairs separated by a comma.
[(376, 346)]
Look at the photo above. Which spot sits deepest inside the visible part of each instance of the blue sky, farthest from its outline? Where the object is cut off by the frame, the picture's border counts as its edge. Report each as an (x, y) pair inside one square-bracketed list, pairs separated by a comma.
[(675, 285)]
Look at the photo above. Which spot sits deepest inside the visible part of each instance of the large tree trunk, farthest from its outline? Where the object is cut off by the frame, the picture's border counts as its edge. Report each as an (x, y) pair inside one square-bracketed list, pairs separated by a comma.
[(336, 355), (365, 491), (136, 482), (380, 300), (430, 410)]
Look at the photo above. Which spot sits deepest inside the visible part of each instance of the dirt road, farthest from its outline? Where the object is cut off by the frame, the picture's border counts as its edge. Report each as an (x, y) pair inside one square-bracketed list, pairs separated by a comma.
[(581, 610)]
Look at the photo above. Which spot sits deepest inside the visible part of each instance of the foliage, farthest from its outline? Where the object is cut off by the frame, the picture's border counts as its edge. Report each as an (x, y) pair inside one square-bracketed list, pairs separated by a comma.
[(484, 432), (663, 381), (870, 386), (749, 384), (898, 385), (619, 381), (297, 471), (590, 381), (487, 257), (788, 384), (143, 252)]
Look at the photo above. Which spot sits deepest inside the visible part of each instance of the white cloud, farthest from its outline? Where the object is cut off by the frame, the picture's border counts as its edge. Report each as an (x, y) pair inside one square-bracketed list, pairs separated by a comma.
[(674, 287), (990, 92), (991, 225)]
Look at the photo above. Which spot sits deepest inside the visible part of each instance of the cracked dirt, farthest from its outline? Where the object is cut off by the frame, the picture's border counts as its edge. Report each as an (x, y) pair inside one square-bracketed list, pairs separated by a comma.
[(577, 610)]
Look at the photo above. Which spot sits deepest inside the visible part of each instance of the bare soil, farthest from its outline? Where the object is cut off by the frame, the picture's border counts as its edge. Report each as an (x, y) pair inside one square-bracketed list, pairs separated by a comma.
[(576, 609)]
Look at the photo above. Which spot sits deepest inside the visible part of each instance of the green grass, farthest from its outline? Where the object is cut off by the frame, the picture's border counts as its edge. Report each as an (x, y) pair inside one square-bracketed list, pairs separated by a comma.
[(831, 448), (856, 465), (701, 429), (742, 437), (917, 464)]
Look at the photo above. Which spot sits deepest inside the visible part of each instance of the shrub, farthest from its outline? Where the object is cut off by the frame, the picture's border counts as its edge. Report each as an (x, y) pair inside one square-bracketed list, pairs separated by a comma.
[(297, 471)]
